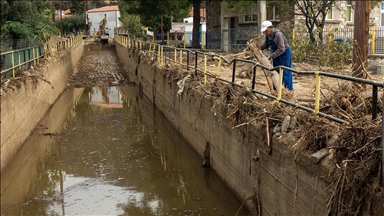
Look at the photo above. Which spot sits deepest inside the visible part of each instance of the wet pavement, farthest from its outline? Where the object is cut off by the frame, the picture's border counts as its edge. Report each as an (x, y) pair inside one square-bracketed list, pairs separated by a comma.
[(104, 150)]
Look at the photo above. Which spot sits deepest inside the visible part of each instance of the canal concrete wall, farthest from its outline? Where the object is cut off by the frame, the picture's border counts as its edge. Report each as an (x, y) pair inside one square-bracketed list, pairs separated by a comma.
[(270, 178), (23, 172), (24, 106)]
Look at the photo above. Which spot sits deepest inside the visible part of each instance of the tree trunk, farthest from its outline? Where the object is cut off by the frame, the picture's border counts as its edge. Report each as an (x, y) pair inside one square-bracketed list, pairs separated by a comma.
[(53, 13), (196, 24), (361, 36)]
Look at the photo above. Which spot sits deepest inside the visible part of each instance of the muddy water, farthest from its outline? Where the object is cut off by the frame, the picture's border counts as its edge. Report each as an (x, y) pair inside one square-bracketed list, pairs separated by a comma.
[(107, 151)]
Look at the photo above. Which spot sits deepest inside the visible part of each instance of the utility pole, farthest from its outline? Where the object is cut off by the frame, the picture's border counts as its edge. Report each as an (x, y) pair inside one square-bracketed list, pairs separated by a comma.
[(53, 12), (361, 36), (85, 18), (61, 17), (262, 11)]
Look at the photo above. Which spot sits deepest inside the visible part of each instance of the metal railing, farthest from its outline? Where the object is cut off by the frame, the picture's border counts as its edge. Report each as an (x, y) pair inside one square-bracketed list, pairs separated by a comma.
[(168, 54), (235, 40), (22, 59)]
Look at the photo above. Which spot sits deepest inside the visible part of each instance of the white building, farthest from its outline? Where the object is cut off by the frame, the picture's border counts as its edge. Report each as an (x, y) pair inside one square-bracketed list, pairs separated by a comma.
[(97, 15)]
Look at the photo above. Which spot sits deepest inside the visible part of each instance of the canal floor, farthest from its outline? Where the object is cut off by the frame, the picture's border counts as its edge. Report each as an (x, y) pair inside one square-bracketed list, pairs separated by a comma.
[(107, 151)]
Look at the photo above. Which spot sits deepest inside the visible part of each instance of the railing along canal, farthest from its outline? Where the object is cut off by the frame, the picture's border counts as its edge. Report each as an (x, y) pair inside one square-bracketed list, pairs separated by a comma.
[(21, 59), (173, 54), (162, 51)]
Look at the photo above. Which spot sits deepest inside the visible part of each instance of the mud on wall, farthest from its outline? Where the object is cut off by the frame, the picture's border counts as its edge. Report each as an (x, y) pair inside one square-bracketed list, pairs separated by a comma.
[(23, 107), (269, 179)]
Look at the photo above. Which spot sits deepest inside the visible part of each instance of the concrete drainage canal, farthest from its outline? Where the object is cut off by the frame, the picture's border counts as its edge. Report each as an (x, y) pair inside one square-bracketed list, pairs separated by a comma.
[(103, 150)]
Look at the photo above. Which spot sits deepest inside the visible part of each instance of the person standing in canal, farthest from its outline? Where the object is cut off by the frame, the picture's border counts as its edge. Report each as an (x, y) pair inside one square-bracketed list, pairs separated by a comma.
[(281, 52)]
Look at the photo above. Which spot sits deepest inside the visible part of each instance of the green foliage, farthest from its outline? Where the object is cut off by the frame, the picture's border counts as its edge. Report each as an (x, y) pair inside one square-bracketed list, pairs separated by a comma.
[(77, 7), (16, 30), (26, 20), (133, 25), (151, 12), (73, 23), (329, 53), (375, 3)]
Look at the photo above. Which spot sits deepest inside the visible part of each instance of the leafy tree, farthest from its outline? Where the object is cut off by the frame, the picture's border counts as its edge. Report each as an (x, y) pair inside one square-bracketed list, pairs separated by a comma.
[(26, 20), (71, 24), (96, 4), (314, 12), (130, 22), (156, 14), (77, 6)]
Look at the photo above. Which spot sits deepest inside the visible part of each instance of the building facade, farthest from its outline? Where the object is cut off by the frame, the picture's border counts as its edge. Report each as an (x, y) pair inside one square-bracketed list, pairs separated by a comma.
[(95, 16), (228, 28)]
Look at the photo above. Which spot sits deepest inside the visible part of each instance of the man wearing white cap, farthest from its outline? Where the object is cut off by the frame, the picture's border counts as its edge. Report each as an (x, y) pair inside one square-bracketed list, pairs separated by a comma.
[(281, 52)]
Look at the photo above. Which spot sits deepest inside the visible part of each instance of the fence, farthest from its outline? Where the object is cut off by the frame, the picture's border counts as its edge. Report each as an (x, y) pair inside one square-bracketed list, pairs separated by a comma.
[(22, 59), (235, 40), (173, 55)]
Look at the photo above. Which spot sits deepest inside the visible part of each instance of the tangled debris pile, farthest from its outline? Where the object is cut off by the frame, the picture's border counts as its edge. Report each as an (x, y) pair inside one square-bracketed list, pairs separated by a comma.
[(353, 150), (99, 67)]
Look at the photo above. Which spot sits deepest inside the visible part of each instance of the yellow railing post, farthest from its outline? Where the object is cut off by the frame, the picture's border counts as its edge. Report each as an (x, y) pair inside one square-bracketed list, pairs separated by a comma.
[(153, 37), (175, 55), (37, 55), (33, 55), (181, 56), (205, 69), (293, 34), (185, 39), (158, 54), (373, 40), (18, 56), (202, 40), (317, 94), (13, 65), (280, 87)]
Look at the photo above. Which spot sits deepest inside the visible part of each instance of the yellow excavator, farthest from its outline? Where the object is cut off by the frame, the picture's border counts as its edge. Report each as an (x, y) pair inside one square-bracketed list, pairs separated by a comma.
[(101, 34)]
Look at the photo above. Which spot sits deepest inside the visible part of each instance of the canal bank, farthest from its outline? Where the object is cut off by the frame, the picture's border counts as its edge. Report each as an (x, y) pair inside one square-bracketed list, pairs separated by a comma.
[(270, 173), (110, 152), (21, 175), (32, 94)]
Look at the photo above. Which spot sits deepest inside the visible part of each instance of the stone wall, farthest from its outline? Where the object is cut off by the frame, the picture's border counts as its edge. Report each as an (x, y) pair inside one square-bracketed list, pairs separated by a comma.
[(24, 107), (270, 178)]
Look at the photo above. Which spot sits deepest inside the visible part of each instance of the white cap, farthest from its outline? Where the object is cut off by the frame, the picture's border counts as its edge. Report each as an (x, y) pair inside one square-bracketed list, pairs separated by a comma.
[(265, 25)]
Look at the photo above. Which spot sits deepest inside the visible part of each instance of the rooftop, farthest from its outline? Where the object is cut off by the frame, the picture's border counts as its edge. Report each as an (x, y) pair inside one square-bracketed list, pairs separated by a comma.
[(104, 9)]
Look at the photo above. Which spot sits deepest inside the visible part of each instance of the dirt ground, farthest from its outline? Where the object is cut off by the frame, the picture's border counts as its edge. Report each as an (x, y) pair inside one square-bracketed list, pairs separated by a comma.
[(98, 66), (304, 85)]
